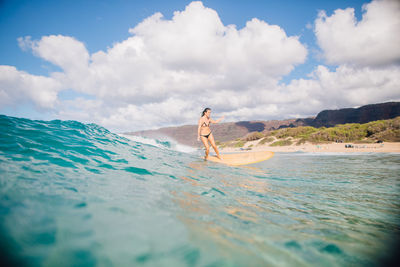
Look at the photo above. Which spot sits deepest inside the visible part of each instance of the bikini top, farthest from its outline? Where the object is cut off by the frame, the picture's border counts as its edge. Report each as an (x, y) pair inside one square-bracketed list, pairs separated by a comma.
[(205, 124)]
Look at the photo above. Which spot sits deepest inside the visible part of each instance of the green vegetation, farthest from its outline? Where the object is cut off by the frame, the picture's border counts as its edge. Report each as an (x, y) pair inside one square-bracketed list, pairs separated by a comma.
[(253, 136), (298, 132), (384, 130), (300, 142), (285, 142), (239, 144)]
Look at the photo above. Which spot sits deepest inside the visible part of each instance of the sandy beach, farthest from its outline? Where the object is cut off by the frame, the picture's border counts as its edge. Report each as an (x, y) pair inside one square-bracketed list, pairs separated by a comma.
[(386, 147)]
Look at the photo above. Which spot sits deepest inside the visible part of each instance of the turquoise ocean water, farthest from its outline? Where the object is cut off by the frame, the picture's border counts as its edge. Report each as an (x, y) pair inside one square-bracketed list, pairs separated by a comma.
[(75, 194)]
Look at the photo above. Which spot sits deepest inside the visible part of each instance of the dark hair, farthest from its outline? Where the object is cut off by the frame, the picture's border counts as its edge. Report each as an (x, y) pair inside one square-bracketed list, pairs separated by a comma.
[(204, 111)]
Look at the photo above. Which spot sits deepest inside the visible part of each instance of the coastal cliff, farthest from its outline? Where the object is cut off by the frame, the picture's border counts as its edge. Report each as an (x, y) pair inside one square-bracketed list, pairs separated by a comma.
[(364, 114)]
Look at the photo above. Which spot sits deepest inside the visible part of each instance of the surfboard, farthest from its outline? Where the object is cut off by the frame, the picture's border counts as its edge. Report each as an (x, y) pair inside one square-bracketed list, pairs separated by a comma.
[(242, 158)]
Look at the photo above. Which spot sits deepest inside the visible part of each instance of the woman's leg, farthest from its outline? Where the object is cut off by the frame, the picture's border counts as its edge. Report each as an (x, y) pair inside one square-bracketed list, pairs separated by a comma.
[(211, 138), (206, 145)]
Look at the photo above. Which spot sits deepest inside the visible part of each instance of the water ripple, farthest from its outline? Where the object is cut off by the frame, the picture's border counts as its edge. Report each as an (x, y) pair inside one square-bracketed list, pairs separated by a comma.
[(78, 194)]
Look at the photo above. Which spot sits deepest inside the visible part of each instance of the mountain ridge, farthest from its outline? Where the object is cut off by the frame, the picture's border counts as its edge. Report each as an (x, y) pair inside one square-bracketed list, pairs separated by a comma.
[(187, 134)]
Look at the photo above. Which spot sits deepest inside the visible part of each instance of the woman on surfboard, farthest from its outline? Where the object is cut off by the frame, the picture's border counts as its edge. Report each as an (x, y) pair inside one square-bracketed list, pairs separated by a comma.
[(204, 131)]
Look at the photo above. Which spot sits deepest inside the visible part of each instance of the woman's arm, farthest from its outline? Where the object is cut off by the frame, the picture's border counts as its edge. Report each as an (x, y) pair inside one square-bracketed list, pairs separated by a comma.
[(220, 119), (198, 130)]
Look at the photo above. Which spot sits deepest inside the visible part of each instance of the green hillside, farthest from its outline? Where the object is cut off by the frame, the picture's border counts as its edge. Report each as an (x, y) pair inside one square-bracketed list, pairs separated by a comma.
[(383, 130)]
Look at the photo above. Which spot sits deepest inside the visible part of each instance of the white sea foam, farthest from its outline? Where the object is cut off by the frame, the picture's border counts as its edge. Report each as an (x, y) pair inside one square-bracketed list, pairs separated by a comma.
[(164, 143), (301, 153)]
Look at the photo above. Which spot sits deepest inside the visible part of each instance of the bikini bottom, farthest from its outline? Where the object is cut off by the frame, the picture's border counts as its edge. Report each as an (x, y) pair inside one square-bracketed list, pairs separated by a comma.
[(206, 136)]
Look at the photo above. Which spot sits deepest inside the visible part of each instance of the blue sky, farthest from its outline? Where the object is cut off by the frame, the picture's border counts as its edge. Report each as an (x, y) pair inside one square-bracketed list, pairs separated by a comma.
[(100, 25)]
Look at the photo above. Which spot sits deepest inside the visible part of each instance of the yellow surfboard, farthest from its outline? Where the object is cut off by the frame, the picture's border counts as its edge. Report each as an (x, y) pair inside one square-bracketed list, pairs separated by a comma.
[(242, 158)]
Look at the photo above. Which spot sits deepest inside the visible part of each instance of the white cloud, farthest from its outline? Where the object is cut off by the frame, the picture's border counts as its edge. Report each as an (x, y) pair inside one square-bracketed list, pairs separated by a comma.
[(347, 86), (191, 53), (63, 51), (168, 71), (373, 41), (18, 86), (166, 63)]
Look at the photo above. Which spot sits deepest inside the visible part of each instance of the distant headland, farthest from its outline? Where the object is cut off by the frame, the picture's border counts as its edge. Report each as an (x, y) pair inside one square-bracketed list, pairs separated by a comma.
[(324, 124)]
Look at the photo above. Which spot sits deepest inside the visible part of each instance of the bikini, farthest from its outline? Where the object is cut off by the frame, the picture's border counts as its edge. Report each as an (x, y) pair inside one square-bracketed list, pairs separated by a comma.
[(205, 125)]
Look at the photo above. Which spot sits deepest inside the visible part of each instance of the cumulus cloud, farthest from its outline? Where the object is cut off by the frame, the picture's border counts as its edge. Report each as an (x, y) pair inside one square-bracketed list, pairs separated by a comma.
[(170, 69), (373, 41), (18, 86), (173, 67), (63, 51), (347, 86), (191, 53), (196, 40)]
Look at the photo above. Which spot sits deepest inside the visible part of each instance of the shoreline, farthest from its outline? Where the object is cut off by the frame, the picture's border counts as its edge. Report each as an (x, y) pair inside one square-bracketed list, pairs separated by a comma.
[(386, 147)]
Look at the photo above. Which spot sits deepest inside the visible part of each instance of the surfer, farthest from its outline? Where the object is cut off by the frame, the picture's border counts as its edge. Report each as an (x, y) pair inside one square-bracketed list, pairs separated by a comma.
[(204, 131)]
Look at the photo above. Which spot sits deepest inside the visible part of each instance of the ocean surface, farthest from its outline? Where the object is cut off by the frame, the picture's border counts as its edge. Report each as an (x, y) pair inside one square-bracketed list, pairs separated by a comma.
[(74, 194)]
